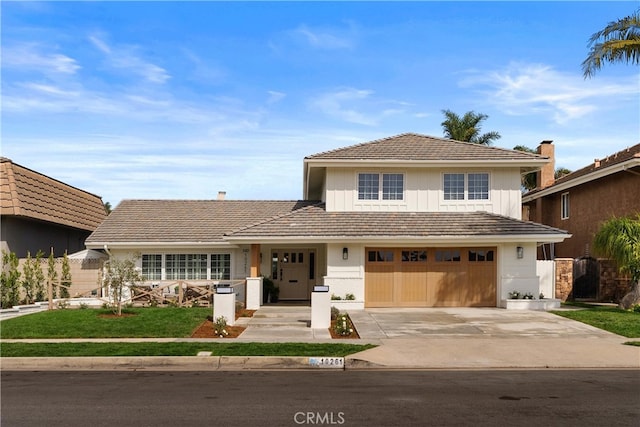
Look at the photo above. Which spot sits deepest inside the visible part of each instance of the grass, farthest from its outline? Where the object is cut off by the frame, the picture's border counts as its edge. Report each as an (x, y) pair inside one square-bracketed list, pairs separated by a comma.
[(178, 349), (163, 322), (615, 320)]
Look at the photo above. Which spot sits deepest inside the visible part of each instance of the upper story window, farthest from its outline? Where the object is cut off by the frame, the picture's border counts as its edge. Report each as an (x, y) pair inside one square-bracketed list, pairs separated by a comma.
[(470, 186), (369, 186), (564, 206)]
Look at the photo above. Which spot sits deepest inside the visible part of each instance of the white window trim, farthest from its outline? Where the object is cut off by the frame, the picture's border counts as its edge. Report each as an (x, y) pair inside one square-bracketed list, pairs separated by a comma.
[(466, 187), (565, 205), (380, 199)]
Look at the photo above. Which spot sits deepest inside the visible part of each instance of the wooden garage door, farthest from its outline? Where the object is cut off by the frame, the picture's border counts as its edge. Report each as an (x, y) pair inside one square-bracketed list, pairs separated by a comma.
[(436, 277)]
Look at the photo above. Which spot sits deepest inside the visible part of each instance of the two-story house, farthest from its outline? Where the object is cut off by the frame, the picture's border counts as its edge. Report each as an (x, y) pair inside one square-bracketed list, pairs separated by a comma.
[(405, 221)]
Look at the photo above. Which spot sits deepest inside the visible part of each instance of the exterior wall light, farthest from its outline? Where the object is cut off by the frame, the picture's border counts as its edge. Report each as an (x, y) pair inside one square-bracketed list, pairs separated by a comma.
[(520, 252), (345, 253)]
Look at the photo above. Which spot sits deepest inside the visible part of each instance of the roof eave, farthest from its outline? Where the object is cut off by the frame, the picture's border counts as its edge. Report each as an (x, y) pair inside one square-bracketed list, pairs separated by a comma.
[(597, 174), (532, 163), (157, 244)]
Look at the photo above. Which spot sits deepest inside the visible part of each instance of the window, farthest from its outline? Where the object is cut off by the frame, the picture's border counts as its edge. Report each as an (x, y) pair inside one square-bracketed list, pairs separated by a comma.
[(152, 266), (414, 256), (454, 186), (380, 256), (220, 266), (196, 267), (392, 186), (448, 255), (176, 266), (369, 186), (480, 255), (564, 206), (477, 186)]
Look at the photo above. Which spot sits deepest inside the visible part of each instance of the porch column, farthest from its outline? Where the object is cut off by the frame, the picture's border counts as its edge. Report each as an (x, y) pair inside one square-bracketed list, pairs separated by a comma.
[(255, 260)]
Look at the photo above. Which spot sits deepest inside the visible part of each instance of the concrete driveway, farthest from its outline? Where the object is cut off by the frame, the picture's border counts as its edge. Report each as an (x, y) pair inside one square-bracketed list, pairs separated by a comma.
[(378, 323)]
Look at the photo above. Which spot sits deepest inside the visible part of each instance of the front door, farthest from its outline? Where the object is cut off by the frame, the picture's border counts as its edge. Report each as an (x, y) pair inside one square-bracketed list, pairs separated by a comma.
[(292, 270)]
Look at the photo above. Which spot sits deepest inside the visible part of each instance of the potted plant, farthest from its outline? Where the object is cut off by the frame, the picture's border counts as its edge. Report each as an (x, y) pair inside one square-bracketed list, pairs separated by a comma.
[(275, 294)]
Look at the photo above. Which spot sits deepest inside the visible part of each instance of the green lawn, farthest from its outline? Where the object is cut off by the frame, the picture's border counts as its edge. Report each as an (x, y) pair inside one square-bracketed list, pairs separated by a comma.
[(164, 322), (178, 349), (621, 322)]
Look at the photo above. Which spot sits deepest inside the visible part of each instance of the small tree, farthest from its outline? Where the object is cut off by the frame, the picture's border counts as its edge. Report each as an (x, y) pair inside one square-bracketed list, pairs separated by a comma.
[(65, 277), (38, 278), (117, 275), (619, 240), (52, 273), (28, 278), (9, 280)]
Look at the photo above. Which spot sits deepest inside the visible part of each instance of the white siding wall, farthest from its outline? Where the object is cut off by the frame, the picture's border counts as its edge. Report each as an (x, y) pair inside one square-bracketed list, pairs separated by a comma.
[(516, 274), (346, 276), (424, 192)]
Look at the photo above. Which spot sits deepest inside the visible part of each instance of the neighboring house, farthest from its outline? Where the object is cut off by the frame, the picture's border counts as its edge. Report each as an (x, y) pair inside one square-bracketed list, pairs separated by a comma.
[(41, 213), (581, 201), (405, 221)]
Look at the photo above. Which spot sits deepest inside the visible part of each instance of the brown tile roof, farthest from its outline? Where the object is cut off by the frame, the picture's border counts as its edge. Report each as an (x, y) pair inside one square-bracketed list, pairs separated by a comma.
[(412, 146), (598, 165), (175, 221), (315, 221), (30, 194)]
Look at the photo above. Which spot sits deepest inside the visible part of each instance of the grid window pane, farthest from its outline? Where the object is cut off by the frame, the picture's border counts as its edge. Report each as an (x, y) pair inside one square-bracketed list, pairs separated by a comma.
[(152, 266), (454, 186), (478, 186), (196, 267), (368, 186), (176, 266), (392, 186), (221, 266)]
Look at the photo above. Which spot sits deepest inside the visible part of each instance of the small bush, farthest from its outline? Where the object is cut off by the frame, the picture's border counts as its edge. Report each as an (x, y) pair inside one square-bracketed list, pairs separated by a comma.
[(220, 327), (343, 325)]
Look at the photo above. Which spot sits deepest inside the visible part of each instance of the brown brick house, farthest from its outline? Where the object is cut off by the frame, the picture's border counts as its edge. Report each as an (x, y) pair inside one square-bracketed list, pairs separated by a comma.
[(581, 201), (40, 213)]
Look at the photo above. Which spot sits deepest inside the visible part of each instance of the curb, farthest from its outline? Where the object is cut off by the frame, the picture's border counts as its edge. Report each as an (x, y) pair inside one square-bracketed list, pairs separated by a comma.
[(167, 363)]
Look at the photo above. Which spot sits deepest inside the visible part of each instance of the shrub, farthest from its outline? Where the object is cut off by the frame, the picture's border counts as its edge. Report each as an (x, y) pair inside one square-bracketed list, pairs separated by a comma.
[(343, 325), (220, 327)]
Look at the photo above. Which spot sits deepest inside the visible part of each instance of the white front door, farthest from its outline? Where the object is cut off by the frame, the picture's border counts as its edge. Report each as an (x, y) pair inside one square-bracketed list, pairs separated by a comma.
[(293, 269)]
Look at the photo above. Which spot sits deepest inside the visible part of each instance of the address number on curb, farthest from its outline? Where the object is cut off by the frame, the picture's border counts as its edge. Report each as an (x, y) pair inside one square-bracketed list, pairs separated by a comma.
[(327, 362)]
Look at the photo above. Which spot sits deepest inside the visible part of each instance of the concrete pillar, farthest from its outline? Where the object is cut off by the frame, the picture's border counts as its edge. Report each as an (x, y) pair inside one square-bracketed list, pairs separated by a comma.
[(254, 293), (225, 305), (320, 310)]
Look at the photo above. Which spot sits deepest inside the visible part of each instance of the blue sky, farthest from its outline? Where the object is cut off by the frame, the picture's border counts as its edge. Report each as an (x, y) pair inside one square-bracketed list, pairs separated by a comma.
[(182, 100)]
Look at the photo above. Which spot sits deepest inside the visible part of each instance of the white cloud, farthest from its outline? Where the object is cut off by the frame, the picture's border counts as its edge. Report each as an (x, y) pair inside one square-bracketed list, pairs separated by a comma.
[(340, 104), (126, 58), (31, 56), (275, 96), (524, 89), (325, 38)]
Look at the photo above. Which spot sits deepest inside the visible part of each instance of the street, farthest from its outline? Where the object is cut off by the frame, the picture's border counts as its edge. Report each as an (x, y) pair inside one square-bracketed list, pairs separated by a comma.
[(350, 398)]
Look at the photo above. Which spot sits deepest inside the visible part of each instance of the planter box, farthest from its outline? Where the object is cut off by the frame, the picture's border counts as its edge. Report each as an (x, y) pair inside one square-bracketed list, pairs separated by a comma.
[(346, 305), (531, 304)]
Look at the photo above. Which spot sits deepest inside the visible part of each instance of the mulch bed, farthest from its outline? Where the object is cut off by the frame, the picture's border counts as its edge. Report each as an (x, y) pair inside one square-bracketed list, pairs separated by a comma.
[(205, 330), (353, 335)]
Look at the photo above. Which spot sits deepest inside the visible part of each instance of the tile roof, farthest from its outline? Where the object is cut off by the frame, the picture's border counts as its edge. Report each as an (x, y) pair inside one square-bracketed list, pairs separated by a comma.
[(26, 193), (175, 221), (315, 221), (597, 166), (412, 146)]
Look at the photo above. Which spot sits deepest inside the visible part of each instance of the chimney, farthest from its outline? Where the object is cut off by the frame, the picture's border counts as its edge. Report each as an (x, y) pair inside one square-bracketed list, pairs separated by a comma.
[(596, 163), (221, 195), (546, 176)]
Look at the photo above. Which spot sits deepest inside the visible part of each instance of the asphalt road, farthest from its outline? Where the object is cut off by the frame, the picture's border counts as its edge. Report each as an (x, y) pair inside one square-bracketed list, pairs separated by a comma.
[(349, 398)]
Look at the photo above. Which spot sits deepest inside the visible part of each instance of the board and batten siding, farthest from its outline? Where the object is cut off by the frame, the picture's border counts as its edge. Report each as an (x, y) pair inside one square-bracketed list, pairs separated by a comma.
[(424, 192)]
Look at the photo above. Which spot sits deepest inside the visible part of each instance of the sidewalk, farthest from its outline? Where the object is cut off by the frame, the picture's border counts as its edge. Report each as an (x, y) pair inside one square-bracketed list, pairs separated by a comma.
[(406, 339)]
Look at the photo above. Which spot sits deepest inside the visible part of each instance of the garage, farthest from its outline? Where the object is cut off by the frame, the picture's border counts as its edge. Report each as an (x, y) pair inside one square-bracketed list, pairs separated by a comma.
[(430, 277)]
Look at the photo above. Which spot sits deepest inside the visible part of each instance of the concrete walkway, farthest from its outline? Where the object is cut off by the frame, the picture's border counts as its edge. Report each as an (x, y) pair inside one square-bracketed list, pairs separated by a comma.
[(432, 338)]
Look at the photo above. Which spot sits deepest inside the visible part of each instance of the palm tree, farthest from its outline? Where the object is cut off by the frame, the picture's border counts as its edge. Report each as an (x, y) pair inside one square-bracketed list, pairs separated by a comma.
[(619, 240), (467, 128), (619, 41)]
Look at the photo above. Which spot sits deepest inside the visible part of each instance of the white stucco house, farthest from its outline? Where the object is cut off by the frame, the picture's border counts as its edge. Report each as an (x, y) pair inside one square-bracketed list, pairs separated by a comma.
[(405, 221)]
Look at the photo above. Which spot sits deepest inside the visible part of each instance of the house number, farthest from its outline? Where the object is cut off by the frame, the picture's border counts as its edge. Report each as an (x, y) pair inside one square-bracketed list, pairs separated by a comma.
[(327, 362)]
